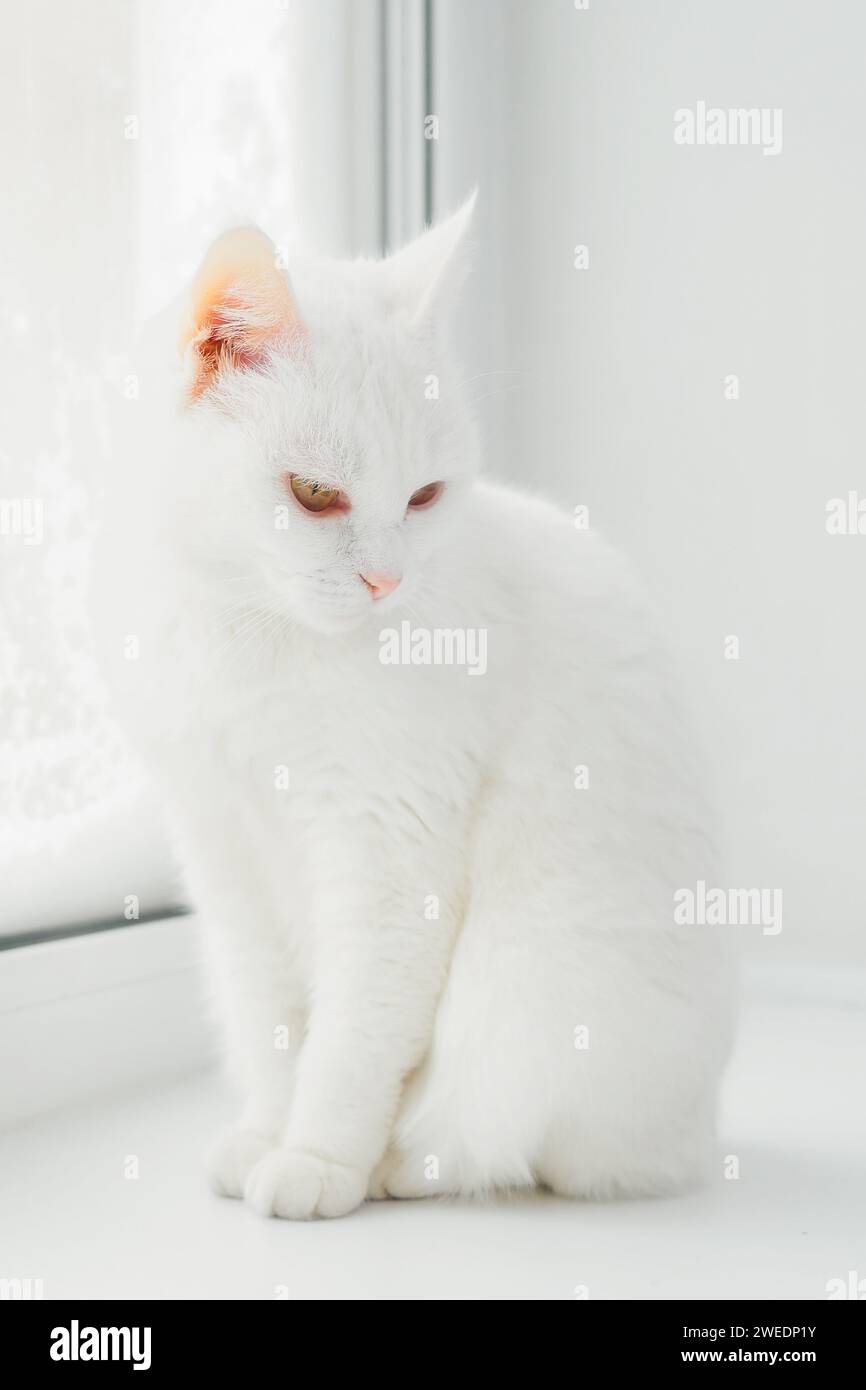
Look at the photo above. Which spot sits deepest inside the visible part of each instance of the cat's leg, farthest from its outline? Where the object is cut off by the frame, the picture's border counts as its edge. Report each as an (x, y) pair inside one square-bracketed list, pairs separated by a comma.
[(635, 1113), (264, 1021), (473, 1113), (584, 1059), (253, 980), (598, 1155), (378, 975)]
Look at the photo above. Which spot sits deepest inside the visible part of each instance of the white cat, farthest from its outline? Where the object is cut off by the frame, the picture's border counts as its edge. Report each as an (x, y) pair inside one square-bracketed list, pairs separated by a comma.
[(436, 899)]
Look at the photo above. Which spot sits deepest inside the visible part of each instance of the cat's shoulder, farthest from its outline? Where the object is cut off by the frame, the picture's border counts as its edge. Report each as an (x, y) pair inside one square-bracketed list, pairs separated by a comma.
[(565, 565), (535, 524)]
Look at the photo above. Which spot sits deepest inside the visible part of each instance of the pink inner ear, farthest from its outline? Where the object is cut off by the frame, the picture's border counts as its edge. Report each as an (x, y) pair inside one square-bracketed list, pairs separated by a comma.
[(234, 323), (242, 307), (236, 333)]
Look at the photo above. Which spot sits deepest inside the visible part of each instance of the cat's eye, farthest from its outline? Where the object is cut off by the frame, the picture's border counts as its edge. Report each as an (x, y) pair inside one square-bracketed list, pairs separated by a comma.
[(313, 497), (426, 496)]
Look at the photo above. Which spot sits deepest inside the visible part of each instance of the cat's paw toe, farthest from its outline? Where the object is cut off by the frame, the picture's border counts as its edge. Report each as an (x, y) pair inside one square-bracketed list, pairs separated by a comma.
[(233, 1158), (297, 1185), (376, 1189), (398, 1175)]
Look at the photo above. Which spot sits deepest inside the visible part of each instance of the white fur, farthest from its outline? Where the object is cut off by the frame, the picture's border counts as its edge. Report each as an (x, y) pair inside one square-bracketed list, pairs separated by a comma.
[(425, 1056)]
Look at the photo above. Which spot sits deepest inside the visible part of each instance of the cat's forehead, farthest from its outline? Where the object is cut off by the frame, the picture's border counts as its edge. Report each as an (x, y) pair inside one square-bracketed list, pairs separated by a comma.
[(358, 419)]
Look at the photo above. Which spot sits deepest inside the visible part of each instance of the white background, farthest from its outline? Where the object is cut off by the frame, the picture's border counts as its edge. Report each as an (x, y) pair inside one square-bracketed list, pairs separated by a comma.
[(703, 262)]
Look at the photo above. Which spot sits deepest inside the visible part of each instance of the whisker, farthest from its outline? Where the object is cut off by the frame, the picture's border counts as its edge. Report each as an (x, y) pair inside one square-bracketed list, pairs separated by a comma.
[(500, 391), (480, 376), (249, 634)]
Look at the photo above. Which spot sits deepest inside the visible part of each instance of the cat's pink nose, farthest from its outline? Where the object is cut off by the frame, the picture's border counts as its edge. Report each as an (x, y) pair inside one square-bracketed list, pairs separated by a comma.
[(381, 585)]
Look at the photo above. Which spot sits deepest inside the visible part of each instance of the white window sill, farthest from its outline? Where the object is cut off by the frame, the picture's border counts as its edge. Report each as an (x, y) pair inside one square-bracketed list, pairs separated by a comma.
[(793, 1220), (86, 1015)]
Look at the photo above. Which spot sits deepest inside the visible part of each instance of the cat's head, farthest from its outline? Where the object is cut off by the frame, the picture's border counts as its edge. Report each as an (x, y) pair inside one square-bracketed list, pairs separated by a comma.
[(329, 419)]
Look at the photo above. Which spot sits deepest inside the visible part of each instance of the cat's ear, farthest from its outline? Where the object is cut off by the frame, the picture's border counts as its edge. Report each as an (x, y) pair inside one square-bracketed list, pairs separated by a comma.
[(425, 278), (241, 307)]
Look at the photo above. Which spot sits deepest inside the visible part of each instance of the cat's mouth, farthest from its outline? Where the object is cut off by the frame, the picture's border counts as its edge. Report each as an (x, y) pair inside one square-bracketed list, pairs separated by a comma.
[(339, 607), (333, 619), (341, 619)]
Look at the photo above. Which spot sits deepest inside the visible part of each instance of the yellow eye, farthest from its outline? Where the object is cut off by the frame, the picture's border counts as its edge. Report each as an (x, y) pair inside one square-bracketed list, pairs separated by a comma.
[(313, 497), (427, 495)]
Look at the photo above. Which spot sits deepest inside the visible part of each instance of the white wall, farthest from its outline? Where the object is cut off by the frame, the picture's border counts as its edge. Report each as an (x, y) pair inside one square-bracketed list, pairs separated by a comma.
[(703, 262)]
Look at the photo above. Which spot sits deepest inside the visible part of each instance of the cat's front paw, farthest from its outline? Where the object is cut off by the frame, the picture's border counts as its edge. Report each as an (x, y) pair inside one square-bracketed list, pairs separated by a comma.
[(298, 1185), (233, 1158), (398, 1175)]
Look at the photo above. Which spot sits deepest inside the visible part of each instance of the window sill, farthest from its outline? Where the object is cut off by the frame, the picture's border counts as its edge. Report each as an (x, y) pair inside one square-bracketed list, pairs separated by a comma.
[(78, 1215), (85, 1015)]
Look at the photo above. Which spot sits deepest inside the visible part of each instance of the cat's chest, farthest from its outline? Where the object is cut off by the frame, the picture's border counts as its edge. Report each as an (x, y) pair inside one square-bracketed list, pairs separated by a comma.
[(364, 733)]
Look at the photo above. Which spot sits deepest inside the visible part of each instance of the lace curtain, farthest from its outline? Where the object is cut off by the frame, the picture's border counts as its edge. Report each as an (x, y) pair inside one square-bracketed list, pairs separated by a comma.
[(133, 133)]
